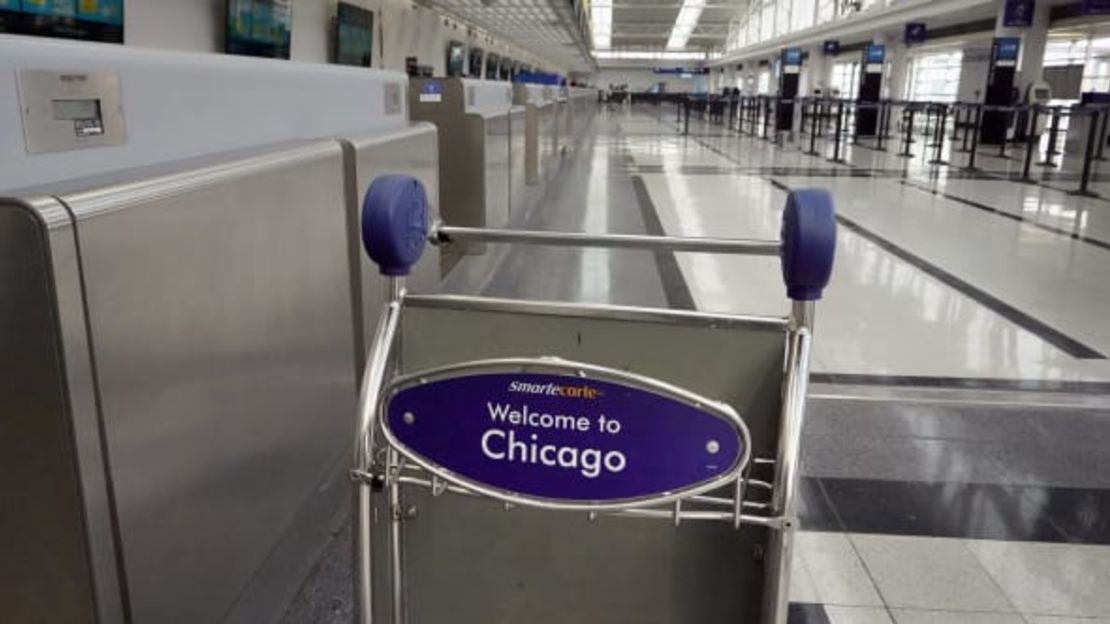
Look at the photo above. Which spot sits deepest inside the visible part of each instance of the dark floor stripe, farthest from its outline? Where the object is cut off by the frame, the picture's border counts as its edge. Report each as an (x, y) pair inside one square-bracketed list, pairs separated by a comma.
[(807, 613), (1041, 329), (957, 510), (674, 285), (1008, 215), (963, 383)]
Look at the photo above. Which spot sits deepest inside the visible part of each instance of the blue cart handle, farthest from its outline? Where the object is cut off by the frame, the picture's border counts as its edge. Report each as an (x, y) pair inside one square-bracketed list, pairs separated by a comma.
[(395, 223), (808, 243)]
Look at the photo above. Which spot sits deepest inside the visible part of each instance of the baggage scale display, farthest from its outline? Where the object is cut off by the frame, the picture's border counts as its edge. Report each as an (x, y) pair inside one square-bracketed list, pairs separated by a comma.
[(528, 461)]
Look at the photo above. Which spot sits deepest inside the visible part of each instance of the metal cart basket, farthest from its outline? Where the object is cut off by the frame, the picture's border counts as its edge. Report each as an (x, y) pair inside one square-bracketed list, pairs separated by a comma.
[(539, 462)]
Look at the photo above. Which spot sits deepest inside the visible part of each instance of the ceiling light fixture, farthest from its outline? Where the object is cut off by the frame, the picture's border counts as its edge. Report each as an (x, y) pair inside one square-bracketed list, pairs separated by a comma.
[(685, 23), (648, 55), (601, 23)]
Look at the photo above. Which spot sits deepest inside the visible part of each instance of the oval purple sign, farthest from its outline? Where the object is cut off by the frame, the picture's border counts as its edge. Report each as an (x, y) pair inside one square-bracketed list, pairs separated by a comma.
[(597, 438)]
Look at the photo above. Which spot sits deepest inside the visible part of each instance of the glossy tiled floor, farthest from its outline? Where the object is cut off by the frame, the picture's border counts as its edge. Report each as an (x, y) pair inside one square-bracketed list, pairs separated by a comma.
[(956, 456)]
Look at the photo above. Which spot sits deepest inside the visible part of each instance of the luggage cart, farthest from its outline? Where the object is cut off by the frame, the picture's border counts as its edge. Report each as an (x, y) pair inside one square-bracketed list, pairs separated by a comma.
[(524, 461)]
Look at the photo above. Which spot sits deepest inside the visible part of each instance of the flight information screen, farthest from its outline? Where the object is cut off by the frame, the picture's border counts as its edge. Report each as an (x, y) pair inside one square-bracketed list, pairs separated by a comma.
[(90, 20)]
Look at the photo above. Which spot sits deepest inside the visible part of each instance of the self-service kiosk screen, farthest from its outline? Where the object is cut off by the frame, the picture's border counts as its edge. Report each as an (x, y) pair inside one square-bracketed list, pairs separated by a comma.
[(456, 58), (259, 27), (354, 35), (493, 61), (90, 20), (476, 57)]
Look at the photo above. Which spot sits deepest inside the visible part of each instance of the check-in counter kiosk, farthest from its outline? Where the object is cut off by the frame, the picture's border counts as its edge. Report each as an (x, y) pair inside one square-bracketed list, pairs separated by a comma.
[(540, 130), (476, 120), (180, 323)]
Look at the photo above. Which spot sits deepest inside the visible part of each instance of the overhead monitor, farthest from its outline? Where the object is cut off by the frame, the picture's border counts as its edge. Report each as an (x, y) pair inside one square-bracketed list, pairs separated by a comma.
[(477, 56), (456, 58), (259, 28), (493, 62), (916, 32), (354, 35), (88, 20)]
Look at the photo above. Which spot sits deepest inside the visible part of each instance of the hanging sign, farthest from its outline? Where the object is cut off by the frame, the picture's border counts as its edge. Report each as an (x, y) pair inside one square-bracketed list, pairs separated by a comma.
[(1095, 7), (873, 58), (916, 32), (555, 433), (1018, 14)]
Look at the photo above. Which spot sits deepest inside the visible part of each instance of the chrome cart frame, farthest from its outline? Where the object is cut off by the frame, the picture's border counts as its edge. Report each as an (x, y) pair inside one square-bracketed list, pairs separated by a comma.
[(762, 492)]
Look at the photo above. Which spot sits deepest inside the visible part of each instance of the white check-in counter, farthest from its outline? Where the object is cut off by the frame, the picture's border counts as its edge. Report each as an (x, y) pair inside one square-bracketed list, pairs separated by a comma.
[(481, 149), (183, 316)]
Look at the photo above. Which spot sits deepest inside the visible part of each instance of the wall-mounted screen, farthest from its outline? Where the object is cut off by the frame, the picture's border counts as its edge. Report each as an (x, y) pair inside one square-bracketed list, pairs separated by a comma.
[(493, 62), (259, 27), (477, 56), (89, 20), (456, 58), (354, 35)]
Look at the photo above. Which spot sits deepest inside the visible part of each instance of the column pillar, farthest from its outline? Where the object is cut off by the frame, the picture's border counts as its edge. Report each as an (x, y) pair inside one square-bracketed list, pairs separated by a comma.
[(1034, 39), (815, 73), (898, 59)]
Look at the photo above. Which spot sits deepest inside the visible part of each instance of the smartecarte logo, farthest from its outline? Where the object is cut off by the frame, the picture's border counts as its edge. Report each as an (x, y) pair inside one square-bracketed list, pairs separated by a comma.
[(553, 389)]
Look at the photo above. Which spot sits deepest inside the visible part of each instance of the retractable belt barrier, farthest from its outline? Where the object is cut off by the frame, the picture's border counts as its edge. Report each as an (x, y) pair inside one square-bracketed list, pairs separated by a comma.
[(566, 408)]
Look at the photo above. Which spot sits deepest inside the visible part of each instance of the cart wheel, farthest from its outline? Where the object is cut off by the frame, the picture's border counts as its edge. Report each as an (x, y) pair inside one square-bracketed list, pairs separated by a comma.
[(395, 223), (808, 243)]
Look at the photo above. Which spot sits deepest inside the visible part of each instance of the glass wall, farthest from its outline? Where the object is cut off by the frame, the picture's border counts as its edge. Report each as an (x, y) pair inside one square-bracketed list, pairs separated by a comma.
[(934, 77), (845, 79), (769, 19)]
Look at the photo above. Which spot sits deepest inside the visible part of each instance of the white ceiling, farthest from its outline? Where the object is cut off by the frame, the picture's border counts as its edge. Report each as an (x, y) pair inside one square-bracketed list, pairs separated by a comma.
[(646, 24), (548, 28)]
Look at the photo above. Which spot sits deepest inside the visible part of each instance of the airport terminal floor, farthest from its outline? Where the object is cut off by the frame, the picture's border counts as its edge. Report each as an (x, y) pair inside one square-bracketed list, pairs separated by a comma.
[(954, 451)]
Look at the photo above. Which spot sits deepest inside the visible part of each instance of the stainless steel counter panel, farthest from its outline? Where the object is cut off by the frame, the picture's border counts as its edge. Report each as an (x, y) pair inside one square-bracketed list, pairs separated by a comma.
[(518, 197), (413, 151), (219, 307), (474, 161), (46, 569), (504, 165)]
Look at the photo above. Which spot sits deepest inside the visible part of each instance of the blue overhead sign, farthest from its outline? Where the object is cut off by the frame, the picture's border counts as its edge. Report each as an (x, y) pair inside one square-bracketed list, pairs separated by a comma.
[(1007, 48), (832, 47), (680, 70), (792, 56), (1095, 7), (1018, 13), (916, 32), (874, 53)]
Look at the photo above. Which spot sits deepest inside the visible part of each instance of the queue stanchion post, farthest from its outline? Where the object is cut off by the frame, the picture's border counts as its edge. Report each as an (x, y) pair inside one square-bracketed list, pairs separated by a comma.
[(938, 155), (1032, 139), (813, 130), (880, 140), (1053, 131), (955, 123), (1084, 189), (964, 145), (839, 129), (686, 123), (1006, 111), (975, 129), (1105, 117), (907, 138)]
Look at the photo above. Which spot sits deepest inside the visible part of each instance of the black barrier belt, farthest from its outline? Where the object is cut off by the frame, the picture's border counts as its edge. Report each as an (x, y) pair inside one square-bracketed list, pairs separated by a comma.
[(964, 383), (1044, 331), (1009, 215)]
